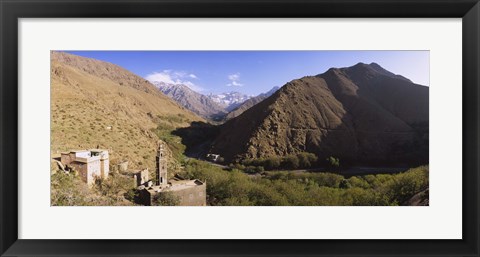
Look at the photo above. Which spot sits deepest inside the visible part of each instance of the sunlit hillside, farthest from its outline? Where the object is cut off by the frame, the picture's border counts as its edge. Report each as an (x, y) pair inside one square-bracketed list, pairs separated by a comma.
[(98, 104)]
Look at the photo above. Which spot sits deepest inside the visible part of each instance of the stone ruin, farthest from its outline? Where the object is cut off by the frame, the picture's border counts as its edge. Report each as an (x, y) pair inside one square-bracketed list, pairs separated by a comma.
[(189, 192)]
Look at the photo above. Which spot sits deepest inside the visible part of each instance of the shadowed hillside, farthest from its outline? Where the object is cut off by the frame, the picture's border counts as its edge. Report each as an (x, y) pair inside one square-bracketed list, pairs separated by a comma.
[(249, 104), (362, 114)]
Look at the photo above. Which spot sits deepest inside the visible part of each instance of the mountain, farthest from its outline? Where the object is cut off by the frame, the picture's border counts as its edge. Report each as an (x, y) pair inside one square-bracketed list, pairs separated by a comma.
[(361, 114), (249, 103), (229, 100), (193, 101), (99, 104)]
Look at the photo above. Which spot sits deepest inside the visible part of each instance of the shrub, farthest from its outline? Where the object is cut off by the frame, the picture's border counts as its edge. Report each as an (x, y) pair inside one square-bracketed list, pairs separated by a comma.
[(344, 184), (301, 160), (272, 163), (291, 162), (333, 163), (358, 182), (303, 189), (307, 160), (67, 190), (401, 187), (250, 169)]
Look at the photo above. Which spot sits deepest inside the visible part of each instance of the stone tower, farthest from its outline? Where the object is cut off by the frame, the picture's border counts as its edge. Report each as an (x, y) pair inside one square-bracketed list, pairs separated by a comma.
[(161, 166)]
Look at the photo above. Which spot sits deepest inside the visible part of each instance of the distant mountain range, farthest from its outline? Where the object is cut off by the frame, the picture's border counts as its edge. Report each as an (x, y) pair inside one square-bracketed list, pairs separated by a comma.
[(229, 100), (193, 101), (212, 106), (249, 103), (360, 114)]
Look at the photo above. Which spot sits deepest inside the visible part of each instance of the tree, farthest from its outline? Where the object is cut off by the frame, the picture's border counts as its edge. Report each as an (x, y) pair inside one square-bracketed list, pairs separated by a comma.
[(307, 160), (333, 162), (250, 169), (272, 163), (291, 162), (260, 169), (344, 184)]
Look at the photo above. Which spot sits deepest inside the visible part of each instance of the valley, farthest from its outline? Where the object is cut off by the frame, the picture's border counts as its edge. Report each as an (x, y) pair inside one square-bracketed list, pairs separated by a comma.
[(349, 136)]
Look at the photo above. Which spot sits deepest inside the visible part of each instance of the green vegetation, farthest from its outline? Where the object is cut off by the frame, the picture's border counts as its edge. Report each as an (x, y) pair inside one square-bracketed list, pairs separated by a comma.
[(179, 118), (333, 163), (68, 190), (267, 188), (235, 187), (164, 131), (295, 161)]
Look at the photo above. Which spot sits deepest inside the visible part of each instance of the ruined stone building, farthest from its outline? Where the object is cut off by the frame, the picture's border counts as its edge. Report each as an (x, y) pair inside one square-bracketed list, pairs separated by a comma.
[(91, 164), (189, 192)]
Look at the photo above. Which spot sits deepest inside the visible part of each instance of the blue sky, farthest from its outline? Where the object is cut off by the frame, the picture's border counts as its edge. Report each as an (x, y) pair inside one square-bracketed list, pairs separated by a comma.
[(255, 72)]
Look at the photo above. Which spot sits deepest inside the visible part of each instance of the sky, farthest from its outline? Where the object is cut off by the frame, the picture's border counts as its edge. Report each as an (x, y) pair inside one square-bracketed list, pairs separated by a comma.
[(255, 72)]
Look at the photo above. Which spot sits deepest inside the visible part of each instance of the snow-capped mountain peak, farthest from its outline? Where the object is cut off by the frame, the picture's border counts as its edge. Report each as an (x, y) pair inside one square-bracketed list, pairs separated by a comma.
[(229, 100)]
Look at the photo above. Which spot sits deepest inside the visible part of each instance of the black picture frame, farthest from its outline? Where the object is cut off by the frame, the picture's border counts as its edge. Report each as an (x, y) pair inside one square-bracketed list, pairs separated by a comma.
[(12, 10)]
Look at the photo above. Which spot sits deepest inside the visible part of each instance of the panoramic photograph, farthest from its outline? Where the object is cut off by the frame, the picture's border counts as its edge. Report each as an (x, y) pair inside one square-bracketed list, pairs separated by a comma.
[(239, 128)]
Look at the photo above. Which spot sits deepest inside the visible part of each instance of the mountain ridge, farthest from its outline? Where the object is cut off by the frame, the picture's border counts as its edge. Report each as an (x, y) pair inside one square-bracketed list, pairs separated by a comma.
[(250, 103), (359, 113), (193, 101)]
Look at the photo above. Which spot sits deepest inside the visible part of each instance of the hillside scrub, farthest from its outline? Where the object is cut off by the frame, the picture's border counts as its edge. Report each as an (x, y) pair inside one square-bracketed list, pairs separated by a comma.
[(164, 132), (237, 188), (301, 160), (67, 189), (303, 189), (95, 104)]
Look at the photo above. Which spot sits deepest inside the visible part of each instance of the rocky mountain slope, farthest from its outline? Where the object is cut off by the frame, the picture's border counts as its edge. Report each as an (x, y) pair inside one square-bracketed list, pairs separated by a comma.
[(361, 114), (99, 104), (249, 103), (193, 101)]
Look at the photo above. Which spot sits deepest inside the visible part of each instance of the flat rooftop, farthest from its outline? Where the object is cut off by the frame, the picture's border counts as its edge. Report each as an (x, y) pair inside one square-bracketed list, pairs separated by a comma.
[(97, 150), (75, 151), (178, 185)]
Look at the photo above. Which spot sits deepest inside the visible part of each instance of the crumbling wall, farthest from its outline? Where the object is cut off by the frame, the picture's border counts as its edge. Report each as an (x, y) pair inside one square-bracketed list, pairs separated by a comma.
[(141, 178)]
